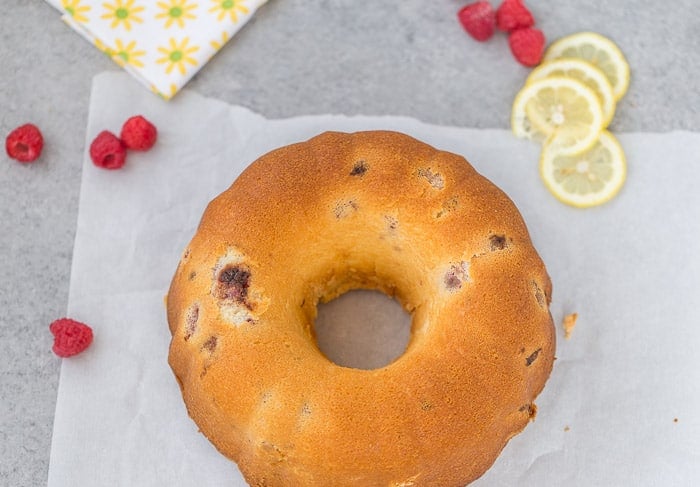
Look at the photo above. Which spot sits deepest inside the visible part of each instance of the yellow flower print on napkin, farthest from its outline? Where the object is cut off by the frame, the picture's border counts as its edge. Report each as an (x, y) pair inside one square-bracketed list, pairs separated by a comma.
[(230, 8), (177, 55), (124, 54), (217, 44), (162, 93), (162, 43), (176, 12), (76, 10), (123, 12)]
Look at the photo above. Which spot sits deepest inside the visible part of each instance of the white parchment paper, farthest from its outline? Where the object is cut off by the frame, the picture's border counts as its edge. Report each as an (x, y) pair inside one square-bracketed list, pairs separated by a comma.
[(622, 406)]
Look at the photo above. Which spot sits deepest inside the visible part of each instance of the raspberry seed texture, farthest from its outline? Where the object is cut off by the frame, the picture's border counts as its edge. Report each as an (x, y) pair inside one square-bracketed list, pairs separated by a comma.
[(24, 144), (108, 151), (479, 20), (138, 133), (513, 15), (70, 337), (527, 46)]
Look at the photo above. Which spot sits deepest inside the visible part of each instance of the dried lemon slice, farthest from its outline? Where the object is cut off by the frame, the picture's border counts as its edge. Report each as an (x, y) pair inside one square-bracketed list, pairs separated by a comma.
[(582, 71), (587, 179), (597, 50), (562, 110)]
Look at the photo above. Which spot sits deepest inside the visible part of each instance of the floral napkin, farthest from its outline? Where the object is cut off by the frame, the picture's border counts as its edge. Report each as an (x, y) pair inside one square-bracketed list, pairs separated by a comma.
[(162, 43)]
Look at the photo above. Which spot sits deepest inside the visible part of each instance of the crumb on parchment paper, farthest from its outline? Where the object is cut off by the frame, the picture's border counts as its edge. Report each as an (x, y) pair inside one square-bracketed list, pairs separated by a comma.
[(569, 323)]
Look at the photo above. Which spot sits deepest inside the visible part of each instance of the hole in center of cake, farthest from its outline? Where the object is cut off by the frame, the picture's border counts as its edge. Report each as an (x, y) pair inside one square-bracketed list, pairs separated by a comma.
[(362, 329)]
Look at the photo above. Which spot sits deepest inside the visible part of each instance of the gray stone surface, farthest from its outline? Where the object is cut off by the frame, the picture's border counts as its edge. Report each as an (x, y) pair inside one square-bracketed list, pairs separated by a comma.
[(401, 57)]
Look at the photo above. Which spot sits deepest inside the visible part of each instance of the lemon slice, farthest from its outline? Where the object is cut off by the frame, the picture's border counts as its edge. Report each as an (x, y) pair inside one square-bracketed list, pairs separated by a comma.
[(562, 110), (587, 179), (597, 50), (582, 71)]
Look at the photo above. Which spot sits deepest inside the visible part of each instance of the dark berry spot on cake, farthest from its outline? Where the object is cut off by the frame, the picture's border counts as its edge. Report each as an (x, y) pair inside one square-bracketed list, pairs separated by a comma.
[(233, 283), (532, 357), (391, 222), (191, 321), (456, 275), (435, 179), (530, 409), (497, 242), (359, 168), (210, 344), (345, 208), (192, 275), (452, 282)]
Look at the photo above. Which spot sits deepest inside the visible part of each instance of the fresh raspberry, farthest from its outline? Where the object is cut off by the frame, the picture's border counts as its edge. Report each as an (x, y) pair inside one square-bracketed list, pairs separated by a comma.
[(138, 133), (70, 337), (478, 19), (25, 143), (107, 151), (513, 15), (527, 46)]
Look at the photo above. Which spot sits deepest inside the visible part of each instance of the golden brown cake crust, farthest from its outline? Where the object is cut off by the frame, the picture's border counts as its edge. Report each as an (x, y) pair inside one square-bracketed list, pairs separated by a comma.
[(376, 210)]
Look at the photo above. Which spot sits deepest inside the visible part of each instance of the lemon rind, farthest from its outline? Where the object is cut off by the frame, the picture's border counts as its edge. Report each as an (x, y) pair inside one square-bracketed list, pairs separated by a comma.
[(555, 49), (608, 101), (518, 112), (611, 189)]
